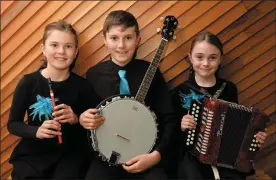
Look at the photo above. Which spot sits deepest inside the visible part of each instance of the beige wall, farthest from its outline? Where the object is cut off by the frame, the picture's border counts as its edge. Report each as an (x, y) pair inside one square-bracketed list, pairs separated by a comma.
[(246, 28)]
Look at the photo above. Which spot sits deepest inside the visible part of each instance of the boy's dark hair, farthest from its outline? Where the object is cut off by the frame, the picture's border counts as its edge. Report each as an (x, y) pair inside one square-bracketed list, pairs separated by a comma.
[(210, 38), (63, 26), (120, 17)]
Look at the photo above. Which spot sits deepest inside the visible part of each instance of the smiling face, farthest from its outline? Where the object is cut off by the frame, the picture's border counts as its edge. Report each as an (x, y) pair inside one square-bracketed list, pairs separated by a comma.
[(121, 42), (59, 49), (205, 59)]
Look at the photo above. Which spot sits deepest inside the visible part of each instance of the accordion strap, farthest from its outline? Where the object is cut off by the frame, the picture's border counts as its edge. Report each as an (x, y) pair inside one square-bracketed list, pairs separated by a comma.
[(203, 91), (216, 173)]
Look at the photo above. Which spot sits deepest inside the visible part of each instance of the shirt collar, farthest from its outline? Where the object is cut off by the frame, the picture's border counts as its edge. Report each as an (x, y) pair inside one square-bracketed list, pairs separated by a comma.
[(117, 67)]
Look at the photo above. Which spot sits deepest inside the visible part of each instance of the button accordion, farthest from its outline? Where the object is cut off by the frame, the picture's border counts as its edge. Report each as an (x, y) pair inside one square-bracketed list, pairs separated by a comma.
[(225, 135)]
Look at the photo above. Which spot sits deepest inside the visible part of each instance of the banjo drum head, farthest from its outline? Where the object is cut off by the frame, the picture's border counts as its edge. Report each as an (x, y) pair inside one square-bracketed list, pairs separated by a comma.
[(129, 129)]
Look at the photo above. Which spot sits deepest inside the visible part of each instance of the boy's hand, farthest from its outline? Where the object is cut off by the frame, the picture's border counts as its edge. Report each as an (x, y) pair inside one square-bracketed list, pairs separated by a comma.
[(90, 119), (142, 162)]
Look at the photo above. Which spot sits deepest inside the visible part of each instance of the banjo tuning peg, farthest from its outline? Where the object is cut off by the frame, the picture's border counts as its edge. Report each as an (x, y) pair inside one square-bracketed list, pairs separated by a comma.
[(174, 37), (158, 30)]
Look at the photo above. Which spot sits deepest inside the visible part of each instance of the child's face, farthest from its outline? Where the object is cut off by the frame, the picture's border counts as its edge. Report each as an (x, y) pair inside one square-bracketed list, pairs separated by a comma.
[(121, 43), (59, 49), (205, 59)]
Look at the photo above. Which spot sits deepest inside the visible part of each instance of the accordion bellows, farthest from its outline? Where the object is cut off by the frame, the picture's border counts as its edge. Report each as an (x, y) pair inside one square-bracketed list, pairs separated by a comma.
[(226, 133)]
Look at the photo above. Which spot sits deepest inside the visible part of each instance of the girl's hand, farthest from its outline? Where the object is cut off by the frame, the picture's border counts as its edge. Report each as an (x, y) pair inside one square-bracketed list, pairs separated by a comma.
[(188, 122), (48, 129), (261, 136), (65, 114)]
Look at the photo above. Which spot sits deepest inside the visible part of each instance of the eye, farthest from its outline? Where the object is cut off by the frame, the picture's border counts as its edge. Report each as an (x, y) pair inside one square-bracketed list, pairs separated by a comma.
[(199, 57), (113, 38), (128, 37), (68, 46), (213, 57), (54, 45)]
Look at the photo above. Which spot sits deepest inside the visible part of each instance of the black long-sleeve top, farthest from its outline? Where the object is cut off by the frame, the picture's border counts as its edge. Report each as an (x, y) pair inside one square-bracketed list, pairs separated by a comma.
[(32, 96), (228, 94), (105, 81)]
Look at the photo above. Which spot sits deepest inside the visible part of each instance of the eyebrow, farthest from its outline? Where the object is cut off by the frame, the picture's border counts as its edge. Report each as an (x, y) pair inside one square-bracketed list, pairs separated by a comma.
[(203, 53), (58, 42), (118, 35)]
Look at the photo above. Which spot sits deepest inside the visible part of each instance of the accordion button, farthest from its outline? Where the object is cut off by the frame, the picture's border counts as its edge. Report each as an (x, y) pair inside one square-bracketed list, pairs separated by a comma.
[(253, 149), (194, 105), (189, 131), (189, 136), (253, 140), (187, 144), (193, 112), (250, 149), (193, 130), (192, 138), (193, 108), (193, 134), (191, 142)]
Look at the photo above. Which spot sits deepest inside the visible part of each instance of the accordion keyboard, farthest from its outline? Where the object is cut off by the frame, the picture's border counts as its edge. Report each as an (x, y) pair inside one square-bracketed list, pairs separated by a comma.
[(195, 112), (202, 133)]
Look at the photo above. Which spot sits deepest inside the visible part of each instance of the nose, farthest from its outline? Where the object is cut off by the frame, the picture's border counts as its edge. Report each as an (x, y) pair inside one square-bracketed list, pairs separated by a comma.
[(61, 49), (121, 43), (205, 62)]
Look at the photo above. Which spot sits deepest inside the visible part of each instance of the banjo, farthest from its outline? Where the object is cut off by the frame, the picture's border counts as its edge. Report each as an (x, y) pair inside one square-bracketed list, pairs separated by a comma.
[(130, 127)]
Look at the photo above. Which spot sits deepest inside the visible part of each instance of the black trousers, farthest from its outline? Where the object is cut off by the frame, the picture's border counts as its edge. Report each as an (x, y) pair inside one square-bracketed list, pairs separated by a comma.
[(68, 166), (191, 169), (99, 170)]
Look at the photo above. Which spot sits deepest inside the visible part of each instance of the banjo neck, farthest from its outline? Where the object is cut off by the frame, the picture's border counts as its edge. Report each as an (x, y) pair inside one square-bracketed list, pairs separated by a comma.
[(144, 87)]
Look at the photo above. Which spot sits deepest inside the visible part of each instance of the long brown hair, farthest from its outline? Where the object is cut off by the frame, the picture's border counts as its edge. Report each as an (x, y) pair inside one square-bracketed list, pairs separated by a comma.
[(63, 26), (210, 38)]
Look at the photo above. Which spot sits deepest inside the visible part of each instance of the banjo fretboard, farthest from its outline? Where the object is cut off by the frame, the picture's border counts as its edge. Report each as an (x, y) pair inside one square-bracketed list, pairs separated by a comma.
[(144, 87)]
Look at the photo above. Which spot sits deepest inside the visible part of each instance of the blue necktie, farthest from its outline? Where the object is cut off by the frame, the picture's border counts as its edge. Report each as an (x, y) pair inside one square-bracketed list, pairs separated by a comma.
[(124, 88)]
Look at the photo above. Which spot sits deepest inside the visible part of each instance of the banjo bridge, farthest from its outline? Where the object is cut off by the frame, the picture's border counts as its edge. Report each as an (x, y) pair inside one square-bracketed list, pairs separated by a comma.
[(122, 137)]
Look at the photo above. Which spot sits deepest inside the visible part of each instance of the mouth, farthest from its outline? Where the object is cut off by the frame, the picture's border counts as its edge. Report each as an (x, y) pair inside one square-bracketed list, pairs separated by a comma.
[(61, 58), (206, 69), (121, 52)]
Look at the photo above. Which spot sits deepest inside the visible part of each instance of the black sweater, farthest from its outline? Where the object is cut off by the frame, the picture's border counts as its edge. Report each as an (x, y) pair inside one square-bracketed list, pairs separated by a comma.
[(32, 95)]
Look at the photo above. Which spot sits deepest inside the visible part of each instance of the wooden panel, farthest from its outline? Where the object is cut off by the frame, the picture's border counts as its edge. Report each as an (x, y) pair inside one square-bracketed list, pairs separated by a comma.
[(246, 28), (12, 12), (5, 5), (19, 21)]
